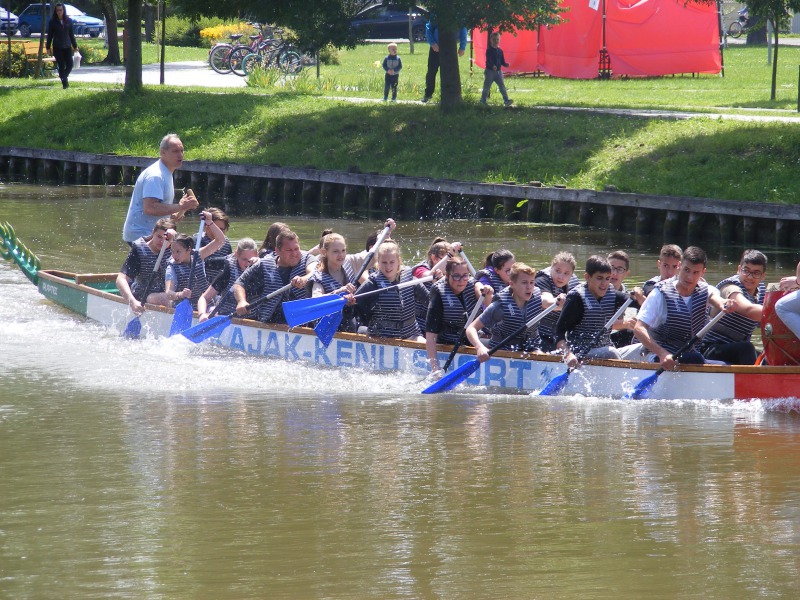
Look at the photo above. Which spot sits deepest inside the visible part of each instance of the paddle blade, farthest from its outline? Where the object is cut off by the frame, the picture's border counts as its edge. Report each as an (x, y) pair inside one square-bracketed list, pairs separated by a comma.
[(556, 385), (182, 319), (213, 327), (642, 389), (453, 378), (133, 329), (327, 326), (299, 312)]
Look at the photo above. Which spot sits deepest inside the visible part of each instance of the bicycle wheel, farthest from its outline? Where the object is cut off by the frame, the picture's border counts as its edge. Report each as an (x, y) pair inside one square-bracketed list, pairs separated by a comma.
[(219, 58), (735, 29), (290, 62), (250, 62), (237, 58)]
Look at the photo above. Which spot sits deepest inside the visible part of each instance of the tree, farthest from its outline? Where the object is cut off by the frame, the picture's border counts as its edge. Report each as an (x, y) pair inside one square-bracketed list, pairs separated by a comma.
[(776, 12), (112, 37), (502, 15), (133, 35)]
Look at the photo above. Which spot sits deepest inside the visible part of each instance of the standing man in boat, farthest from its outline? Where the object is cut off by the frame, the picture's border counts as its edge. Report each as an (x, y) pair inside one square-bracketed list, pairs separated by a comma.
[(676, 310), (154, 193), (729, 340)]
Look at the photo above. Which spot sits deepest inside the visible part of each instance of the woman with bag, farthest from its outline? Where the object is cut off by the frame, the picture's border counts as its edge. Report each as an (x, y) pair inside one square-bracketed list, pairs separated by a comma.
[(61, 39)]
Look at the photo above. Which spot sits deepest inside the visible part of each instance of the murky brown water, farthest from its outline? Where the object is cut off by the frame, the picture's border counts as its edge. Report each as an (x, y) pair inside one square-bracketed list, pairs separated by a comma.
[(150, 470)]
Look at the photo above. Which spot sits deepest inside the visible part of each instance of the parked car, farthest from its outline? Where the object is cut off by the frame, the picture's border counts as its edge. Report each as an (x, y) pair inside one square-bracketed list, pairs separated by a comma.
[(30, 21), (390, 21), (8, 22)]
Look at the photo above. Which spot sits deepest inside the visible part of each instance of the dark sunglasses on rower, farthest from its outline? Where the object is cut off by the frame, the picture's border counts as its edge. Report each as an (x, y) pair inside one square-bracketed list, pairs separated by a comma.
[(457, 277)]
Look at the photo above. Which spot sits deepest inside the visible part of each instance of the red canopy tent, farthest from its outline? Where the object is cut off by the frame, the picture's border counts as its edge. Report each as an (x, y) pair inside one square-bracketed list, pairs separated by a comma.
[(642, 38)]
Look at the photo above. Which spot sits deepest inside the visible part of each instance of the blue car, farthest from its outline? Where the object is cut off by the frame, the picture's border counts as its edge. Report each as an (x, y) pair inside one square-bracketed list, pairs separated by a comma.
[(30, 21), (390, 21)]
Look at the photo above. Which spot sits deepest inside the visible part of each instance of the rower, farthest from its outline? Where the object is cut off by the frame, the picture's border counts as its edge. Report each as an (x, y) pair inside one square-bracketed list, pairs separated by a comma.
[(669, 261), (622, 334), (676, 310), (268, 246), (788, 307), (335, 275), (215, 263), (140, 263), (496, 270), (179, 268), (295, 266), (439, 248), (512, 308), (452, 300), (557, 279), (233, 266), (390, 314), (586, 311), (729, 340)]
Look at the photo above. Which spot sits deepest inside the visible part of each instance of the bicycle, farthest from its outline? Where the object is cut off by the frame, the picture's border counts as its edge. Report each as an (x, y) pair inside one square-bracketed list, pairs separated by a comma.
[(225, 58), (740, 25), (282, 55)]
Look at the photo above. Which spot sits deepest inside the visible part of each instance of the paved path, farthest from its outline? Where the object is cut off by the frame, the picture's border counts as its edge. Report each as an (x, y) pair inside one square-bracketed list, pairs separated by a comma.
[(181, 74)]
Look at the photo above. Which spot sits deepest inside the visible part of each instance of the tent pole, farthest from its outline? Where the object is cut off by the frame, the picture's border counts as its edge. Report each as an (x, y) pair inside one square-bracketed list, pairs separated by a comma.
[(604, 72)]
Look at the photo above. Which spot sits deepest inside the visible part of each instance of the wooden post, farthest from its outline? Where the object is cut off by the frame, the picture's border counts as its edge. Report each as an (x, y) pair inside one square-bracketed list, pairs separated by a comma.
[(585, 215), (397, 208), (310, 199), (672, 222), (644, 222), (273, 196)]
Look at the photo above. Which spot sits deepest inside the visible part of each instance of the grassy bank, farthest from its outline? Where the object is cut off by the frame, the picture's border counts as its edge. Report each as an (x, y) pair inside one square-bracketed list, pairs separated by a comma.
[(710, 158)]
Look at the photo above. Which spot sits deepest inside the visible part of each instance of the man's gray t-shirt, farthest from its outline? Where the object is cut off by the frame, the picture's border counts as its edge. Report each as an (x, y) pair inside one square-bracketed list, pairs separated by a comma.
[(154, 182)]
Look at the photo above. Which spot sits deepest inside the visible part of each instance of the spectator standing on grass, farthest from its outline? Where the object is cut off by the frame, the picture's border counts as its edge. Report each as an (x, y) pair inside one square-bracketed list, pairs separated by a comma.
[(495, 61), (154, 195), (61, 44), (392, 65), (432, 35)]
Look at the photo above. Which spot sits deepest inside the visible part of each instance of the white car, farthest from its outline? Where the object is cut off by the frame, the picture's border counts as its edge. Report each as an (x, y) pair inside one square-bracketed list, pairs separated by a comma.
[(8, 22)]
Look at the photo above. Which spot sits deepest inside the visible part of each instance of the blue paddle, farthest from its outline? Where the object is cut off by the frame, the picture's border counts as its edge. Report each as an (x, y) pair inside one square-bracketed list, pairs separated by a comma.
[(134, 327), (215, 325), (182, 319), (643, 388), (298, 312), (560, 382), (452, 379)]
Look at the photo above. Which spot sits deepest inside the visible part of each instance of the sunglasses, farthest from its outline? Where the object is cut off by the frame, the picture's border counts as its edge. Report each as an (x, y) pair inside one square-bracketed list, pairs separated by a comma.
[(457, 277)]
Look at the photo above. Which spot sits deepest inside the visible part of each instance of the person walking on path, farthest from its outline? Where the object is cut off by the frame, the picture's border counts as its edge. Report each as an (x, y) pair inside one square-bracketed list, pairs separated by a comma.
[(61, 39), (495, 61), (154, 195), (432, 35)]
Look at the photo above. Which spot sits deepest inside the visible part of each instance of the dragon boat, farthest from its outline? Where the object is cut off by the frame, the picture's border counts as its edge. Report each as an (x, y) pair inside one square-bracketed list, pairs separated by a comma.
[(94, 296)]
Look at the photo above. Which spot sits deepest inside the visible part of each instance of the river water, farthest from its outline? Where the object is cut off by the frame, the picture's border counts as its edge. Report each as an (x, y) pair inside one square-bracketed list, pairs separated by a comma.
[(152, 469)]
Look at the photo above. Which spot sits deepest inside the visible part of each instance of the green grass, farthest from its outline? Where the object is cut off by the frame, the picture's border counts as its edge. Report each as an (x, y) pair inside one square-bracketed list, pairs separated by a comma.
[(305, 125)]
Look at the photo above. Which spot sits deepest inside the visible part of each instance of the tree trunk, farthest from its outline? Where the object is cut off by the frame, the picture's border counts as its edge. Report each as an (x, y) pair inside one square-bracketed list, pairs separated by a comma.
[(774, 62), (112, 35), (450, 77), (757, 36), (150, 17), (133, 35)]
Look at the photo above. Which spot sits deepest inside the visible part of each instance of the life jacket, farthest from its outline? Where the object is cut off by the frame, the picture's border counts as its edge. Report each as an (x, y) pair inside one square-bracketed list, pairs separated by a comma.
[(681, 324), (183, 272), (514, 318), (299, 270), (329, 285), (394, 312), (596, 314), (547, 326), (229, 305), (147, 261), (422, 307), (489, 276), (222, 252), (269, 311), (734, 327), (455, 310), (648, 285)]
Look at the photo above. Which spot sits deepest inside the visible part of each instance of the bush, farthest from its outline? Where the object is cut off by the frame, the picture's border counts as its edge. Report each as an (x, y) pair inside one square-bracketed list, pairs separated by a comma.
[(91, 53), (17, 61), (329, 55), (203, 33)]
